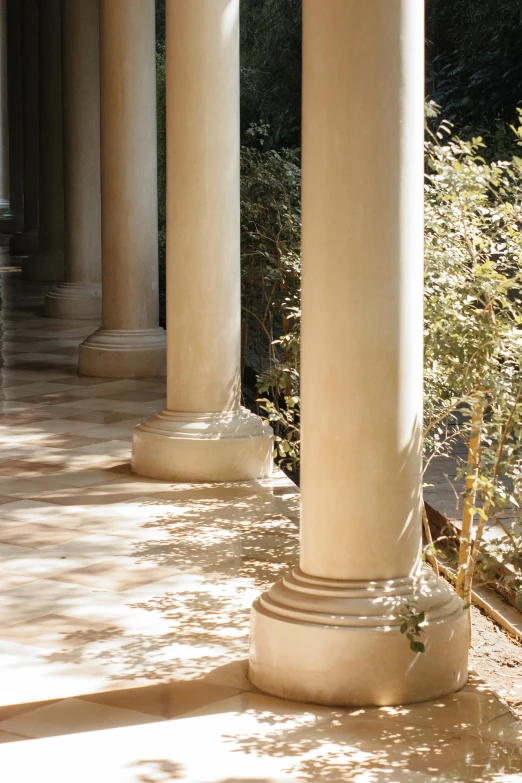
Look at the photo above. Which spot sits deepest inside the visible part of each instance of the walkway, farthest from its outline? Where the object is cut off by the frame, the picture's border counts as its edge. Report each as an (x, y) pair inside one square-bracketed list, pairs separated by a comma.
[(124, 607)]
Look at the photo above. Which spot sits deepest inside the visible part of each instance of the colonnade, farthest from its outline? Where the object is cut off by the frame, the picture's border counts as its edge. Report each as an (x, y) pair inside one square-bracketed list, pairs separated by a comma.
[(329, 631)]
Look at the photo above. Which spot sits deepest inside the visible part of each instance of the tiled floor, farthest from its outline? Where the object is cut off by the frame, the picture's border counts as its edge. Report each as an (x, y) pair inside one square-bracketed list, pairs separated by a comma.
[(124, 607)]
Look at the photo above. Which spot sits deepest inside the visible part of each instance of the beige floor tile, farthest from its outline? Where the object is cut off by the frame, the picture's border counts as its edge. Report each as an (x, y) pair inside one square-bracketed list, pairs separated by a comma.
[(37, 535), (86, 478), (473, 760), (112, 433), (9, 581), (35, 511), (31, 487), (167, 700), (23, 418), (98, 546), (465, 710), (39, 597), (72, 716), (27, 468), (506, 728), (53, 631), (39, 563), (98, 417), (50, 398), (117, 575), (96, 495), (64, 441), (5, 736)]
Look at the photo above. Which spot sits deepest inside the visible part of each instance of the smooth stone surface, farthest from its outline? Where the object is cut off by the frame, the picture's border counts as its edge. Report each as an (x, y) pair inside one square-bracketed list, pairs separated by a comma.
[(111, 353), (329, 642), (74, 300), (225, 446)]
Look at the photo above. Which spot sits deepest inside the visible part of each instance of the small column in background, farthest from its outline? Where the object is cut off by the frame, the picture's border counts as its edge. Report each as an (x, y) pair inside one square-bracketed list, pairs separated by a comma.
[(80, 295), (27, 240), (12, 219), (130, 342), (204, 434), (4, 113), (48, 263)]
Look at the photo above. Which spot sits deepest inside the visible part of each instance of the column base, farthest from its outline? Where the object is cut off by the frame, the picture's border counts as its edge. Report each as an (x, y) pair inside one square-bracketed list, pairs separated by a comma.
[(10, 222), (74, 300), (47, 266), (201, 447), (123, 353), (339, 643), (24, 243)]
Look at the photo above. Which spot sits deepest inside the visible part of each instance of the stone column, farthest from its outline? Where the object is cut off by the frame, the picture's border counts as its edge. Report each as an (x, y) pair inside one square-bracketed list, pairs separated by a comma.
[(204, 434), (80, 295), (130, 342), (27, 240), (4, 123), (12, 220), (329, 632), (48, 263)]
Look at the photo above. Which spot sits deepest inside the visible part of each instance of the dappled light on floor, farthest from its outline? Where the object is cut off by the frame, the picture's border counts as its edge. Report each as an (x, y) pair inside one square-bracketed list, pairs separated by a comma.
[(125, 603)]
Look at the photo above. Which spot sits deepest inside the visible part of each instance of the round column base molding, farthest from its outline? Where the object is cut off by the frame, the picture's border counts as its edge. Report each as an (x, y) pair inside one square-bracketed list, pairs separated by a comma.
[(10, 222), (123, 353), (74, 300), (339, 643), (47, 266), (24, 243), (203, 447)]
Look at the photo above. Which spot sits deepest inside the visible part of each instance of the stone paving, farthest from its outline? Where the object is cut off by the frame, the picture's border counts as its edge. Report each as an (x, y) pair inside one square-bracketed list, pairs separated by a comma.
[(125, 601)]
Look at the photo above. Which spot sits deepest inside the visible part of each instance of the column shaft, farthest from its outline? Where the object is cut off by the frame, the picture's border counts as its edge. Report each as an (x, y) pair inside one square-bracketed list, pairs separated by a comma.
[(4, 121), (48, 263), (27, 240), (130, 342), (12, 220), (329, 632), (80, 295), (204, 434)]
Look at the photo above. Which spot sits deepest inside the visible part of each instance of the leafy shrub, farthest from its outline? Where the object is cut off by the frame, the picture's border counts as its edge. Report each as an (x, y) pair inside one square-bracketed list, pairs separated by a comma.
[(271, 279)]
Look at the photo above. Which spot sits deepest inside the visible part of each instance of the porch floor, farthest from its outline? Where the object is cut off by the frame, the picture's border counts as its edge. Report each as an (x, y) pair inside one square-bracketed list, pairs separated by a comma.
[(125, 602)]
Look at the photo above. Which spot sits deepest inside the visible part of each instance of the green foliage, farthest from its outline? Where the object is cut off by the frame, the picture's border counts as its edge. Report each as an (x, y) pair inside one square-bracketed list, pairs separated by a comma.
[(411, 627), (473, 331), (271, 68), (474, 66), (473, 316), (270, 245)]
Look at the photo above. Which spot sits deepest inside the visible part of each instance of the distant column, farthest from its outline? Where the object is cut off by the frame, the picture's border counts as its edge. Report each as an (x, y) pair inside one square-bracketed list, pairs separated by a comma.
[(4, 122), (329, 632), (12, 220), (48, 263), (130, 342), (80, 295), (27, 241), (204, 434)]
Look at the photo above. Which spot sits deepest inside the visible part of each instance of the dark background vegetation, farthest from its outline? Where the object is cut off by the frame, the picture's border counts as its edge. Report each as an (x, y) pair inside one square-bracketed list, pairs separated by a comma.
[(473, 64)]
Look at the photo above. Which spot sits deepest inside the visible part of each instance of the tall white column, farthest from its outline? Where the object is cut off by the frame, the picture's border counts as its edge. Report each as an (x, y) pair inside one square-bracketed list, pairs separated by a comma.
[(4, 122), (204, 434), (12, 220), (130, 342), (27, 240), (80, 295), (48, 263), (329, 632)]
